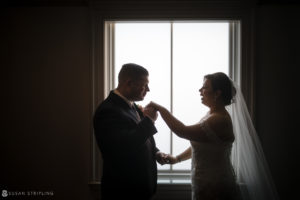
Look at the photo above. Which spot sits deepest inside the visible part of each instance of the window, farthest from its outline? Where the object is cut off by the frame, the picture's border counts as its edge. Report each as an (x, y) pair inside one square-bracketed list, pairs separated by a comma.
[(177, 55)]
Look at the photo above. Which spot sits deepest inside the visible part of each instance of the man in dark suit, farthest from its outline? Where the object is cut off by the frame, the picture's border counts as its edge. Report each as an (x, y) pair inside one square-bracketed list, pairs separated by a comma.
[(125, 137)]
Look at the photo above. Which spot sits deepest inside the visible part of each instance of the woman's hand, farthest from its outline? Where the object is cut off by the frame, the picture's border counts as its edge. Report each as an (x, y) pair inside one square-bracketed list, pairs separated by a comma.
[(163, 158), (171, 159), (154, 105), (151, 113)]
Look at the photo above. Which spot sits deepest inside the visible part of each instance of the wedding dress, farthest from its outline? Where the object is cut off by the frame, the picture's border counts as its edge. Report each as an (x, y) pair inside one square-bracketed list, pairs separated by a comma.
[(235, 170), (213, 176)]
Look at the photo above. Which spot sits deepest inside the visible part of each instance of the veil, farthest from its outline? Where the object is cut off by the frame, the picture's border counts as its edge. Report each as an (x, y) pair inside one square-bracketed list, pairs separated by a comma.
[(247, 156)]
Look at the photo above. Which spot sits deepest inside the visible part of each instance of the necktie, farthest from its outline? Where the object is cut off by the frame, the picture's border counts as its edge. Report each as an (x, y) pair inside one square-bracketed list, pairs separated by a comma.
[(136, 113)]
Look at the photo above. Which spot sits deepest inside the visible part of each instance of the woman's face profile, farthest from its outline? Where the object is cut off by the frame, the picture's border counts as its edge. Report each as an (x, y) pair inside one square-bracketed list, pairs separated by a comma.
[(207, 93)]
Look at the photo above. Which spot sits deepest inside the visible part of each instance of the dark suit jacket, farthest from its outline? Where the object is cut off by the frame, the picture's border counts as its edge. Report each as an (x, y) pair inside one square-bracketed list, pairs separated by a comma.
[(128, 150)]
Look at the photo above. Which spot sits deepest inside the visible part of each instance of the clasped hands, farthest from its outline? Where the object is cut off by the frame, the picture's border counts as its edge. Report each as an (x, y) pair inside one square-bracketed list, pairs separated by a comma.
[(163, 158), (151, 111)]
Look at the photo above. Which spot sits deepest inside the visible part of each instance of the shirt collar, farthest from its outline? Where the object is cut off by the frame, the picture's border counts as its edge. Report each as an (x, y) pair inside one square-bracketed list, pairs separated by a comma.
[(130, 103)]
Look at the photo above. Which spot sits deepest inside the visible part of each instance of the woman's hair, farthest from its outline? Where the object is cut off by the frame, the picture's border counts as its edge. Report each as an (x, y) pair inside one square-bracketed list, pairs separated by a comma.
[(222, 82)]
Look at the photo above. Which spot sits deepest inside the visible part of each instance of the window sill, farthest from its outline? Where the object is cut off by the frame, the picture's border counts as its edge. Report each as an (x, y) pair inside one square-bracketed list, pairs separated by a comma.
[(163, 178), (173, 178), (175, 190)]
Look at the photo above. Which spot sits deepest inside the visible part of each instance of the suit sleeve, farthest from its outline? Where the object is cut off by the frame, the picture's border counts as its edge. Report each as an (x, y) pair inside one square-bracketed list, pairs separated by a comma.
[(115, 131)]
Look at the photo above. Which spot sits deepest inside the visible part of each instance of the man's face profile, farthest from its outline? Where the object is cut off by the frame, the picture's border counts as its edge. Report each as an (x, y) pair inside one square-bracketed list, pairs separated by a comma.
[(139, 88)]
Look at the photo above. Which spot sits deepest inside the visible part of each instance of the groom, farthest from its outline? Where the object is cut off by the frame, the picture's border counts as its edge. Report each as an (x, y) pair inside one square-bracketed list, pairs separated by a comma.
[(125, 137)]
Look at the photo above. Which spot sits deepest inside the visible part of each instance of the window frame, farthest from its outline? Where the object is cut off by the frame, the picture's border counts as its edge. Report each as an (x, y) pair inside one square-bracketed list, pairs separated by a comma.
[(170, 175), (106, 11)]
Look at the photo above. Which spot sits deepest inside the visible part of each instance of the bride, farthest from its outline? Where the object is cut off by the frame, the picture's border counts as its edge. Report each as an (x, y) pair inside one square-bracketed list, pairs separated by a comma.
[(212, 139)]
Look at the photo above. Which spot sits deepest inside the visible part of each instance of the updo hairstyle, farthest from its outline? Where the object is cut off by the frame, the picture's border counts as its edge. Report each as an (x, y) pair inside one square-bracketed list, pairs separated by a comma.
[(220, 81)]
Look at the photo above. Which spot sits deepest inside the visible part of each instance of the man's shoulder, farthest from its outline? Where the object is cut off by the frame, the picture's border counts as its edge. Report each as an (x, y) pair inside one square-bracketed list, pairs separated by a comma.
[(112, 104), (107, 104)]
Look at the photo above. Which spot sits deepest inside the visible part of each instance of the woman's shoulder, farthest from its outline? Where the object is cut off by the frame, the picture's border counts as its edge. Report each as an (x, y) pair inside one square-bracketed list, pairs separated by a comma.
[(221, 125), (218, 119)]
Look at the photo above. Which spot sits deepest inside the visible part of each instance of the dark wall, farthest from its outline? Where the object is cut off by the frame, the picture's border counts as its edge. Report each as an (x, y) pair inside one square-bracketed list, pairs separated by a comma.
[(46, 96), (276, 89), (47, 123)]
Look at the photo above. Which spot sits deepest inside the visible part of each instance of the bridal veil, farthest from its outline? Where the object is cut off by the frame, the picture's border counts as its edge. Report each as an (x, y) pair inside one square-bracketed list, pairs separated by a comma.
[(248, 160)]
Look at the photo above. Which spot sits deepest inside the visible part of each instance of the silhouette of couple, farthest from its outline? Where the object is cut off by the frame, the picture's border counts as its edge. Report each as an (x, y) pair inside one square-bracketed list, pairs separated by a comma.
[(124, 133)]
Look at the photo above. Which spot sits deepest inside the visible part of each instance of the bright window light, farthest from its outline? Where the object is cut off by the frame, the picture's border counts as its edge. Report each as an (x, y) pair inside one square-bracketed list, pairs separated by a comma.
[(177, 56)]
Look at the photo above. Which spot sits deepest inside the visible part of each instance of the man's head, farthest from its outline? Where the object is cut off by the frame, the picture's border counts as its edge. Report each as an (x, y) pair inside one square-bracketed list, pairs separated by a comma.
[(133, 82)]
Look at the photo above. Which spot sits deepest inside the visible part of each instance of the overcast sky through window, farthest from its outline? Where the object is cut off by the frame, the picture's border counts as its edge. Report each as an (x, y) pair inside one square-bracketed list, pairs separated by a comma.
[(196, 49)]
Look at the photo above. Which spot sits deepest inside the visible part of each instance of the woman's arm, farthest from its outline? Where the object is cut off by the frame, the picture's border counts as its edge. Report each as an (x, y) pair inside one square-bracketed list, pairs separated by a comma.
[(193, 132), (187, 154)]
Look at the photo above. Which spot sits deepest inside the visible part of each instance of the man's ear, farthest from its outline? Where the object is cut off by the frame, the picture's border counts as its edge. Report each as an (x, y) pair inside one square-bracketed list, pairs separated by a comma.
[(128, 82)]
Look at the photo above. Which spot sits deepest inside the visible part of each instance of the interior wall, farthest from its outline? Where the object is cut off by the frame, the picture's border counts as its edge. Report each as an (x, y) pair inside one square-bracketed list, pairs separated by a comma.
[(47, 120), (276, 90), (46, 97)]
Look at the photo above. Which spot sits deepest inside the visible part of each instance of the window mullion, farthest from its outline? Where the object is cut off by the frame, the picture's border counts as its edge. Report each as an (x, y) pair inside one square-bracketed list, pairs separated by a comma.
[(171, 87), (109, 55), (234, 52)]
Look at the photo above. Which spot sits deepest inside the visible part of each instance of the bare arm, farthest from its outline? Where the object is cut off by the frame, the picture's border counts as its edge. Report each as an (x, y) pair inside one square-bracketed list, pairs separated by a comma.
[(187, 154), (219, 123), (193, 132)]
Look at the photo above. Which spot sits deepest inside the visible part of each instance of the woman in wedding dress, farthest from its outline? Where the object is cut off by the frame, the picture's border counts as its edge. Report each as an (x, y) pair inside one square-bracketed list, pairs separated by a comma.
[(213, 177)]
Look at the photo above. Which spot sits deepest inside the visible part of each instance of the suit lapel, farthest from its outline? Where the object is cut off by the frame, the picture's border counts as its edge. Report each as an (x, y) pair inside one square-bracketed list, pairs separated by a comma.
[(123, 105)]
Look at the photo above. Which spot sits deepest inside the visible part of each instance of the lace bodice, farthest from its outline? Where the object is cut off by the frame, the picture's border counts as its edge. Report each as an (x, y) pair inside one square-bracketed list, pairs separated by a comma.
[(211, 165)]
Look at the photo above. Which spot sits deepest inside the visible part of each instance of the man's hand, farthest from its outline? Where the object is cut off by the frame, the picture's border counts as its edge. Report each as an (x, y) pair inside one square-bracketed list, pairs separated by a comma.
[(151, 113), (161, 158)]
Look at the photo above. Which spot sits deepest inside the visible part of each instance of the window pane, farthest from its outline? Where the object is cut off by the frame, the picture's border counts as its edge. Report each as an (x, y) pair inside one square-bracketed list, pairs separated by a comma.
[(148, 44), (198, 49)]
